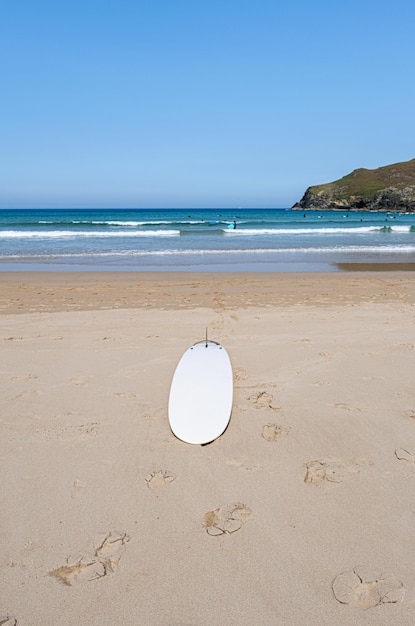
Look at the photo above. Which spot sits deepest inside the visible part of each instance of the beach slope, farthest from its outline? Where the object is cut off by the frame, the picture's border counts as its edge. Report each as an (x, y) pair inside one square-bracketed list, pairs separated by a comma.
[(302, 512)]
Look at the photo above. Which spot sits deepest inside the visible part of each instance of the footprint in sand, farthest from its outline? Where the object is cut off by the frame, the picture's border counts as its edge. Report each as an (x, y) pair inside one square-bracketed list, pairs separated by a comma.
[(273, 432), (110, 550), (129, 397), (103, 562), (69, 432), (90, 429), (80, 382), (350, 588), (244, 463), (403, 455), (262, 400), (80, 571), (26, 377), (159, 479), (227, 519), (6, 620), (240, 374), (333, 470), (347, 407)]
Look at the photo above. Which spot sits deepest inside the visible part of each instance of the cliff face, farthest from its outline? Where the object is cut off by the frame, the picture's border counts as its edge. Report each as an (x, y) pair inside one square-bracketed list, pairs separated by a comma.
[(389, 188)]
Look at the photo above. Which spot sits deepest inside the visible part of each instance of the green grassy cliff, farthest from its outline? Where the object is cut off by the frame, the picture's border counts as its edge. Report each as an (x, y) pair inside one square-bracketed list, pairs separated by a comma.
[(388, 188)]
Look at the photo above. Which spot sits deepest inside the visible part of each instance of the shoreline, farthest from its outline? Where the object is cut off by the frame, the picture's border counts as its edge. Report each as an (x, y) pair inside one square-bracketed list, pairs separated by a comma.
[(376, 267)]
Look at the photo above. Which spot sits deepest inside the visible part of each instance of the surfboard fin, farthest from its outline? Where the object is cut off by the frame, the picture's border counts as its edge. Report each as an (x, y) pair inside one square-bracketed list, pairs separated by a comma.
[(206, 341)]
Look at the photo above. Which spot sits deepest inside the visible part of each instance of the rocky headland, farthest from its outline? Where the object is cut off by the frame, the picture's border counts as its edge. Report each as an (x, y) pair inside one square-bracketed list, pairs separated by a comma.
[(388, 188)]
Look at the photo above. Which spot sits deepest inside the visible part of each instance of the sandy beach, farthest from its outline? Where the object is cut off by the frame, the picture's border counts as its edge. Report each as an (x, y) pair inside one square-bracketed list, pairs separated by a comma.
[(301, 513)]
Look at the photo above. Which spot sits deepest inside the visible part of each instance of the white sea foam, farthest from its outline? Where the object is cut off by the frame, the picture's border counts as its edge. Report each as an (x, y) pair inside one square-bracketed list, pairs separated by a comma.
[(149, 223), (313, 231), (379, 250), (73, 234)]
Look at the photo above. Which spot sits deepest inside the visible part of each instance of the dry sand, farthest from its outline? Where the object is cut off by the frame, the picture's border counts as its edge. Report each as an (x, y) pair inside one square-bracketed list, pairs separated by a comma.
[(301, 513)]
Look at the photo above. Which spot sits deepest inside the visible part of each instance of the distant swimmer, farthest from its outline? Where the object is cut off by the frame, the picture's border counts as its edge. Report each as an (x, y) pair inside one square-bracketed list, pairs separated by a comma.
[(234, 224)]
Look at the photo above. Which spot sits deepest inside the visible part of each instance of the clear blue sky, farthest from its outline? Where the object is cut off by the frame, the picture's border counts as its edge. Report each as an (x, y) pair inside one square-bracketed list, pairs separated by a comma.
[(191, 103)]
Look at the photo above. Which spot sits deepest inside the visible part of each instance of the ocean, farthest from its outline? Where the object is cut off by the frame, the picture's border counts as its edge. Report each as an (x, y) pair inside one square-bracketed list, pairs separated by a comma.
[(201, 240)]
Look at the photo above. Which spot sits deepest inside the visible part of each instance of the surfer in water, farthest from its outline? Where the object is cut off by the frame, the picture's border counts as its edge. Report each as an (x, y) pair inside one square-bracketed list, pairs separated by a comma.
[(234, 224)]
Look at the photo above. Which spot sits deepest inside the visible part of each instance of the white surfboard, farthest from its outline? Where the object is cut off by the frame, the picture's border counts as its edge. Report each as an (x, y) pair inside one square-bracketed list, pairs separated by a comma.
[(201, 393)]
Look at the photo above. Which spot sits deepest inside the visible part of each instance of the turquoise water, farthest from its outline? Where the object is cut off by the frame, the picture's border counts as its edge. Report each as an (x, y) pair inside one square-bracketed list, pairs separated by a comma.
[(200, 240)]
